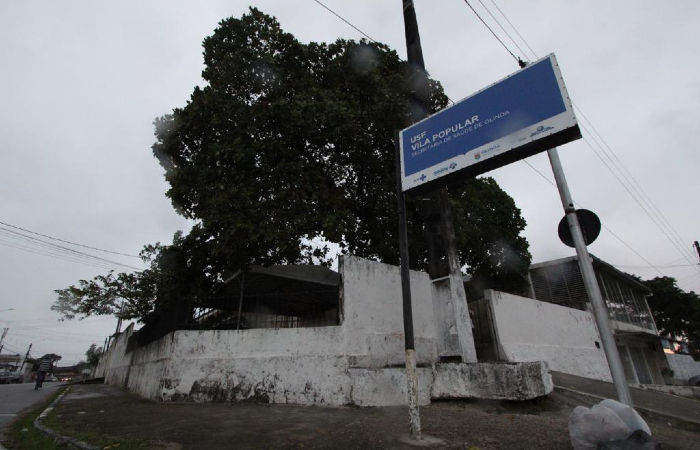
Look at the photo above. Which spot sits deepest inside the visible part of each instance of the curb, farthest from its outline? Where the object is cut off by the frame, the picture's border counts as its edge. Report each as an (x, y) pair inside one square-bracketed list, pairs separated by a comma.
[(73, 443), (653, 412)]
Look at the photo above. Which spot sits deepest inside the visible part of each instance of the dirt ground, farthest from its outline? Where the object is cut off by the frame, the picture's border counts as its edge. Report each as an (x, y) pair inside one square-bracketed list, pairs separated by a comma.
[(483, 425)]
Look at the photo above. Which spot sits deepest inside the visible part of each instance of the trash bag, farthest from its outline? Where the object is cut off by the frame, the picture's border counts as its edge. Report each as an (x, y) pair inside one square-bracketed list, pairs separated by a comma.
[(600, 424), (639, 440), (628, 415)]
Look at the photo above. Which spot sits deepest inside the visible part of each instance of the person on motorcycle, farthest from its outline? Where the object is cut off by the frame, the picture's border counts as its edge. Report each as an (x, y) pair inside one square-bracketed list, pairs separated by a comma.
[(45, 367)]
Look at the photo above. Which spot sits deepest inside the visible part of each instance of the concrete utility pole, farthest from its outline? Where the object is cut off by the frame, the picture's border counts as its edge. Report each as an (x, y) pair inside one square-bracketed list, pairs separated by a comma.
[(4, 333), (697, 248), (600, 311), (21, 369)]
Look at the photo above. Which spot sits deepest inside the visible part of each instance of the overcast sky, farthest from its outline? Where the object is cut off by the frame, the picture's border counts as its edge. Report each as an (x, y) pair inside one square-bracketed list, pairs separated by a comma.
[(82, 81)]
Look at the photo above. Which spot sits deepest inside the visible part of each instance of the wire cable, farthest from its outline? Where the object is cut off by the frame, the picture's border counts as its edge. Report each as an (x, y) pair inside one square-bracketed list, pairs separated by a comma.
[(516, 31), (674, 238), (341, 18), (603, 225), (631, 180), (504, 30), (656, 221), (68, 242), (71, 251), (494, 34), (3, 243)]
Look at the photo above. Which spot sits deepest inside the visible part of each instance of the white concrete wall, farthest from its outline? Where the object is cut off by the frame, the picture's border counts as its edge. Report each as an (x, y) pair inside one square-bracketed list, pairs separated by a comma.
[(373, 314), (531, 330), (118, 361), (684, 367), (289, 365), (349, 364)]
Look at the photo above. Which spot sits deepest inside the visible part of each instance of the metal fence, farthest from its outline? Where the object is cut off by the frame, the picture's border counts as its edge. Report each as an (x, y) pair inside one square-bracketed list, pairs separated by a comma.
[(276, 310)]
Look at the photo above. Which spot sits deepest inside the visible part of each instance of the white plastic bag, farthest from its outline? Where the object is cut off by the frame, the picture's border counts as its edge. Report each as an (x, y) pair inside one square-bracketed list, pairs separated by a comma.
[(589, 427), (628, 415)]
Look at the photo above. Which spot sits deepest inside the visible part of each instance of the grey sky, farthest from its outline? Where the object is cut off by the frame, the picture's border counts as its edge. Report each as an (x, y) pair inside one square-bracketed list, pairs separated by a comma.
[(82, 81)]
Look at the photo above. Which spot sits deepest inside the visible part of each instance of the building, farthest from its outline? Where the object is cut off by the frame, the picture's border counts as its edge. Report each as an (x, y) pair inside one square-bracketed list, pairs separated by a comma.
[(556, 324), (10, 362)]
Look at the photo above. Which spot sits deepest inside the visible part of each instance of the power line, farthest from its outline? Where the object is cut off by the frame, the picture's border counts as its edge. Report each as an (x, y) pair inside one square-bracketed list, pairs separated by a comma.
[(638, 188), (656, 220), (603, 225), (494, 34), (68, 242), (27, 249), (341, 18), (504, 30), (363, 33), (675, 239), (55, 247), (515, 29)]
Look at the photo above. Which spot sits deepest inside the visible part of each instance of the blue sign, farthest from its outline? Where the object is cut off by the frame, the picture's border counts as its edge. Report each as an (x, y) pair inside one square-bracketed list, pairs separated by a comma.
[(488, 129)]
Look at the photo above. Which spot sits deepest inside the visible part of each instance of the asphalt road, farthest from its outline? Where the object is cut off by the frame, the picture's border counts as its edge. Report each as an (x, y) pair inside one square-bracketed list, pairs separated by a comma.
[(16, 397)]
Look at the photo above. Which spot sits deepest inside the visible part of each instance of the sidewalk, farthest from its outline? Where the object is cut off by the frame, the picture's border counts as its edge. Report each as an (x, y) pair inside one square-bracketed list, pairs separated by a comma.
[(655, 402), (538, 424)]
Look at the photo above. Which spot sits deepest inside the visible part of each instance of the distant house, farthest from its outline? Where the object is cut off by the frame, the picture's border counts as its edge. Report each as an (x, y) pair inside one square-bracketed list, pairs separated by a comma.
[(10, 362), (637, 337), (556, 323)]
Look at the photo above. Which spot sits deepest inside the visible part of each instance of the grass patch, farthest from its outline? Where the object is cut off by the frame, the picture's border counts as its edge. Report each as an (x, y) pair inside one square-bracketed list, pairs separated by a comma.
[(23, 436)]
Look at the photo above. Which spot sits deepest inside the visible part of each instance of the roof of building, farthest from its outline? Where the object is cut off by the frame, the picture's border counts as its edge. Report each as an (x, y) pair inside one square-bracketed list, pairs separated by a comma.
[(600, 265)]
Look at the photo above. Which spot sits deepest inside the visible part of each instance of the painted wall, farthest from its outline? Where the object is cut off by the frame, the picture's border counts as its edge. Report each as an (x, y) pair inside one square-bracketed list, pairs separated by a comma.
[(531, 330), (684, 367), (373, 314), (349, 364)]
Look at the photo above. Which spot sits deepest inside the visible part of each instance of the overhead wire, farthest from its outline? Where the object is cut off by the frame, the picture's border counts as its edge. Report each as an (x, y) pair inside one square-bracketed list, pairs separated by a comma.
[(675, 238), (347, 22), (602, 224), (29, 250), (75, 254), (492, 32), (502, 28), (634, 197), (589, 122), (660, 220), (68, 242)]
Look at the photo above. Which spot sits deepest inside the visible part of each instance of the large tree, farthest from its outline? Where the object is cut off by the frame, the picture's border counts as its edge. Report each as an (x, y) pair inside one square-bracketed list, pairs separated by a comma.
[(287, 143)]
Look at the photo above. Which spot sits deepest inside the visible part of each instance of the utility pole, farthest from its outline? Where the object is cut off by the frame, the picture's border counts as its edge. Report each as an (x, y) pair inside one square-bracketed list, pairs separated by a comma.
[(444, 266), (600, 311), (4, 333), (443, 258), (119, 319), (21, 369), (697, 248)]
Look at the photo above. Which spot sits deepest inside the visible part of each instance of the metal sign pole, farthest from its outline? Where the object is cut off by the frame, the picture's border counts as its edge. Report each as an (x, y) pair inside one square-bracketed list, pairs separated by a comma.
[(411, 375), (600, 311)]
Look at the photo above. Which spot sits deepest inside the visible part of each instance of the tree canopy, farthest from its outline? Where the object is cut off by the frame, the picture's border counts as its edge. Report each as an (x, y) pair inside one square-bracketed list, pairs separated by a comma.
[(287, 144), (93, 354), (676, 312)]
